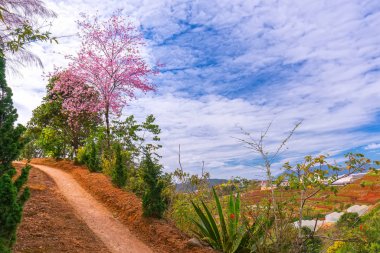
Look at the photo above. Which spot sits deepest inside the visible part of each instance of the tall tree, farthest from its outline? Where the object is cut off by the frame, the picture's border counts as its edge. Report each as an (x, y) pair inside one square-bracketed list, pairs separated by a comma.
[(110, 61), (17, 28), (153, 201), (10, 136), (59, 126), (12, 194)]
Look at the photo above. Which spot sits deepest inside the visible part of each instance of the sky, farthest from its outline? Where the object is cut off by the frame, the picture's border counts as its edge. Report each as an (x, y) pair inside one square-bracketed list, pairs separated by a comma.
[(233, 65)]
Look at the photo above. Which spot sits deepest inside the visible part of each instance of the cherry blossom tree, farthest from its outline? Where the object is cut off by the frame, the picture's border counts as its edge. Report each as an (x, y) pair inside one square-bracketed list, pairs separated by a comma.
[(78, 99), (111, 62)]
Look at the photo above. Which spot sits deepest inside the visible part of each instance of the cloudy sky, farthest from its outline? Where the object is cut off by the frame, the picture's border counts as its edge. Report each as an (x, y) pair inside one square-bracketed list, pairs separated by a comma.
[(242, 64)]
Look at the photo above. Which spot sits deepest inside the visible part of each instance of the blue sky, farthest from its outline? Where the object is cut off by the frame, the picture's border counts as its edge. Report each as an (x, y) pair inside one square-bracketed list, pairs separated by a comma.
[(232, 64)]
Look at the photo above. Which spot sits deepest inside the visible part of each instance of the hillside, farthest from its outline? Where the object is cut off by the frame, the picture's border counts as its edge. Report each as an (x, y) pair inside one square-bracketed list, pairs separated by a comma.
[(125, 207), (365, 191)]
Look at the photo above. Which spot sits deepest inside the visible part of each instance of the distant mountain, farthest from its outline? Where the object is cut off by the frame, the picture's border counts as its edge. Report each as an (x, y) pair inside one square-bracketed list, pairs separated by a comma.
[(212, 182)]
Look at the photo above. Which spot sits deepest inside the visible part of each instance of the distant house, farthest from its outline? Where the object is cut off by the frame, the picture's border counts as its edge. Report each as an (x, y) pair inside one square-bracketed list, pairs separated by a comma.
[(264, 186)]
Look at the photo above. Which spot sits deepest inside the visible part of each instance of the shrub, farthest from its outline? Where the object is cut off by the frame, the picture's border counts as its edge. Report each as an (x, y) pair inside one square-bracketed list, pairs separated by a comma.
[(119, 172), (136, 182), (367, 184), (154, 204), (366, 234), (93, 161), (229, 235), (348, 220), (312, 244), (107, 163), (12, 200), (335, 247), (82, 155)]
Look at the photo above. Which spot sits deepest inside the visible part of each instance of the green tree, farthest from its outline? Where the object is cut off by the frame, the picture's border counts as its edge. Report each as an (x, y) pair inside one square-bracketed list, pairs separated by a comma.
[(52, 131), (10, 136), (93, 161), (12, 194), (154, 203), (119, 173), (138, 138)]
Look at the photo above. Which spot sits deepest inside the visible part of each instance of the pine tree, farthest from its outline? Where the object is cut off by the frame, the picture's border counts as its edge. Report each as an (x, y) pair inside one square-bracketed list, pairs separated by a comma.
[(154, 204), (10, 142), (119, 176), (12, 193), (93, 161)]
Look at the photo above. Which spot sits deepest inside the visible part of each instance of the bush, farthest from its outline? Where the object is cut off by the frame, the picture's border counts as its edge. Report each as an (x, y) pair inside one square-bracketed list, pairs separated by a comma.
[(136, 182), (82, 156), (366, 233), (119, 172), (228, 233), (335, 247), (93, 161), (107, 163), (312, 244), (12, 200), (348, 220), (154, 204)]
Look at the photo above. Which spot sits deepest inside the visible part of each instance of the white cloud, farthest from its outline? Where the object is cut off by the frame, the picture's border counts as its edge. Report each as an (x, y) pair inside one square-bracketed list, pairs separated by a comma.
[(245, 64), (372, 146)]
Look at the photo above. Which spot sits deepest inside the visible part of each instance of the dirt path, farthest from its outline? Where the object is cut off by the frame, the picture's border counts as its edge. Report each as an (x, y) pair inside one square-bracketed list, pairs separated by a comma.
[(50, 224), (114, 235)]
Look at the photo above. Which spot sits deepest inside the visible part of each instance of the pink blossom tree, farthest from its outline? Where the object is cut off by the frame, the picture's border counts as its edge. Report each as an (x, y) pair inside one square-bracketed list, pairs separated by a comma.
[(110, 61), (79, 104), (78, 99)]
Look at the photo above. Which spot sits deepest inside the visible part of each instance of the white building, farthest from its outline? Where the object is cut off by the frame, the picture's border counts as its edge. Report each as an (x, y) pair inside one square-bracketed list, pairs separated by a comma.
[(344, 179), (360, 210)]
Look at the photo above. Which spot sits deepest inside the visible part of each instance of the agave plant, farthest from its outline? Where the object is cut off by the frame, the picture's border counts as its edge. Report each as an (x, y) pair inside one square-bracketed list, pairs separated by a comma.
[(228, 236)]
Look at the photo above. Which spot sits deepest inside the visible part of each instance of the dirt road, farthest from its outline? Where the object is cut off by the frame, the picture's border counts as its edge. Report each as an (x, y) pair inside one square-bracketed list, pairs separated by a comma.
[(114, 235), (50, 224)]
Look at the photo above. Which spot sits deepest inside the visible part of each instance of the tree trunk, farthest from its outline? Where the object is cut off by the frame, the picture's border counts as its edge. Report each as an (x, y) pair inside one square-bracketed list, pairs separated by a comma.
[(300, 218), (108, 126)]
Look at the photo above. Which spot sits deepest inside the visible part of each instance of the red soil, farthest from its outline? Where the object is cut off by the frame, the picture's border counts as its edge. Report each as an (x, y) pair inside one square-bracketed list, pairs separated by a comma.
[(160, 235), (50, 224)]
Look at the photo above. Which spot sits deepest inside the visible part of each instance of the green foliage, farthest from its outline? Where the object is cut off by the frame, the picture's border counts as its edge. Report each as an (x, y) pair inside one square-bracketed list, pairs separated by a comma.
[(82, 155), (52, 143), (51, 131), (10, 141), (189, 188), (119, 173), (312, 244), (137, 138), (154, 202), (26, 34), (12, 194), (348, 220), (336, 247), (227, 234), (364, 235), (367, 184), (93, 160), (136, 182), (12, 200)]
